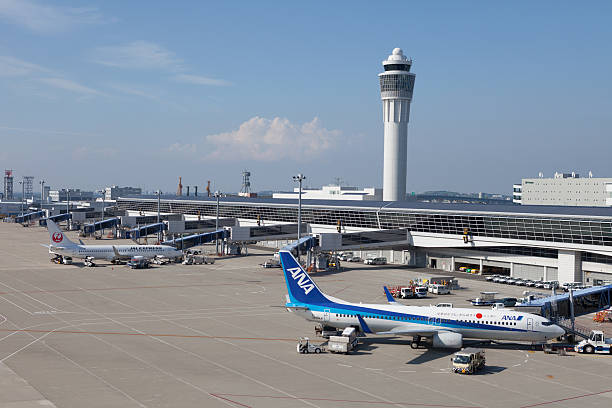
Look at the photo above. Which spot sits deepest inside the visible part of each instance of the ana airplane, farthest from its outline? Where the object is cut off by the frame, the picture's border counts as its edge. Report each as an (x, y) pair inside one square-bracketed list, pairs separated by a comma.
[(446, 326), (61, 245)]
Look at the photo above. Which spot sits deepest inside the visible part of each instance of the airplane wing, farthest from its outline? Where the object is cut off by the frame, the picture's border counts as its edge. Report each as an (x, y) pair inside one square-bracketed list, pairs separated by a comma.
[(389, 296), (410, 331), (400, 330)]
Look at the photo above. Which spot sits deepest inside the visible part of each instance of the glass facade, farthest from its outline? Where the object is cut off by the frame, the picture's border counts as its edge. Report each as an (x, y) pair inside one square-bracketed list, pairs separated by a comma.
[(397, 82), (545, 228), (397, 67)]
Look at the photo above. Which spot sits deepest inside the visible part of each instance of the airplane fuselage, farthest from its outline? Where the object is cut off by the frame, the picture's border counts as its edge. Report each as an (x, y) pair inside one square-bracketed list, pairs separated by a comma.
[(110, 252), (495, 324)]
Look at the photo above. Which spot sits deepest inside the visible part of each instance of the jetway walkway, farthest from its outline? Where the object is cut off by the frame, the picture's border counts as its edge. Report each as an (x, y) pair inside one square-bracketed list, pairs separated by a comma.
[(197, 239), (55, 218), (304, 244), (363, 240), (585, 301), (145, 230), (100, 225), (266, 233), (29, 216)]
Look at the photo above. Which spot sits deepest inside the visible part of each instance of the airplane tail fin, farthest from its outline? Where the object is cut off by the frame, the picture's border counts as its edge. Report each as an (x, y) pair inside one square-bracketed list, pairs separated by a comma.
[(300, 286), (56, 236)]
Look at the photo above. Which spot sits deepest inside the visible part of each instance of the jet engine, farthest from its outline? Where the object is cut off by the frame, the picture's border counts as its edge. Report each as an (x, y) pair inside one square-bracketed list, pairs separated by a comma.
[(450, 340)]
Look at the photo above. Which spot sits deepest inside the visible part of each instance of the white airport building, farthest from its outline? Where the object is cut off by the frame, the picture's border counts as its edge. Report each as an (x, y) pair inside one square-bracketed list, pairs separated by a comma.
[(334, 193), (566, 189)]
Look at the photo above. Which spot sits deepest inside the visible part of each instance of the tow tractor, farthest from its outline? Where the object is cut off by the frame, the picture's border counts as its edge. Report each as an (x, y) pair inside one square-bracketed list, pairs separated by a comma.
[(304, 346), (88, 261), (596, 343)]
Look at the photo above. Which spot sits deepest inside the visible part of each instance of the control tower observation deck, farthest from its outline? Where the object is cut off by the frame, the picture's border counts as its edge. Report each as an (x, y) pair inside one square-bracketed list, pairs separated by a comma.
[(396, 86)]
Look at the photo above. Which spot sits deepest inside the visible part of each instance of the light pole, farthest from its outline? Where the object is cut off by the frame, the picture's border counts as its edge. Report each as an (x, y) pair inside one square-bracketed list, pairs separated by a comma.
[(22, 195), (42, 191), (217, 195), (159, 234), (299, 178)]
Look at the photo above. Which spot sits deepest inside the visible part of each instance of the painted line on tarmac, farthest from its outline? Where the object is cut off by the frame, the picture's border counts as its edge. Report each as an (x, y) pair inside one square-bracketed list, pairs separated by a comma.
[(341, 400), (566, 399), (185, 336), (16, 292)]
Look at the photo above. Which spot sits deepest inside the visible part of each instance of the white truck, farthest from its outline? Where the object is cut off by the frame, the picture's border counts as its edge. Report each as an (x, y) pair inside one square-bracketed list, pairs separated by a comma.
[(438, 289), (191, 259), (304, 346), (596, 343), (344, 343)]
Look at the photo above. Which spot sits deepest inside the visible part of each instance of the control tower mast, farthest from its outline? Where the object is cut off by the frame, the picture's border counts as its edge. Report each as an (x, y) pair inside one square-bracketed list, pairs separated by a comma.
[(396, 86)]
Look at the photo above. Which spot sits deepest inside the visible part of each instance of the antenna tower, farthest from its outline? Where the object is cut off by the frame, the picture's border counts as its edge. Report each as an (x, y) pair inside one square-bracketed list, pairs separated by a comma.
[(246, 183), (8, 185), (28, 188)]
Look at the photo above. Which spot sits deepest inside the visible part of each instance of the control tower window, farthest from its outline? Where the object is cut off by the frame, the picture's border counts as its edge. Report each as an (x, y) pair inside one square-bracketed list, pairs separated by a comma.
[(397, 67)]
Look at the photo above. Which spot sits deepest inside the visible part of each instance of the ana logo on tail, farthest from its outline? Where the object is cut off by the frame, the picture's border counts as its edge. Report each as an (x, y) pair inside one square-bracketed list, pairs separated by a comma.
[(57, 237), (300, 277)]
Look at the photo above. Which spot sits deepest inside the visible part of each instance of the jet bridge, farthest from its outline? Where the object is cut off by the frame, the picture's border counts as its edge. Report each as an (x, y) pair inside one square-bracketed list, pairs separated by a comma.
[(100, 225), (304, 244), (197, 239), (364, 240), (145, 230), (29, 216), (266, 233), (584, 301), (55, 218)]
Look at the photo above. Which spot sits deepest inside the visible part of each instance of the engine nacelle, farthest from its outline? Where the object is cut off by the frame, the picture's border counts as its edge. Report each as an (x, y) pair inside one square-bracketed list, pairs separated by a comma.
[(448, 340)]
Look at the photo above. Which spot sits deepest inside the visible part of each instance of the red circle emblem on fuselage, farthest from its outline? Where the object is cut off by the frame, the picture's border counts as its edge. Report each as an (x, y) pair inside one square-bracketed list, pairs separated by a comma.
[(479, 315), (57, 237)]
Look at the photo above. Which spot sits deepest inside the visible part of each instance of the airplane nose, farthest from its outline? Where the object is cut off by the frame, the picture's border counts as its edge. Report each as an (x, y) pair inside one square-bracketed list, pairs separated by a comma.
[(559, 331)]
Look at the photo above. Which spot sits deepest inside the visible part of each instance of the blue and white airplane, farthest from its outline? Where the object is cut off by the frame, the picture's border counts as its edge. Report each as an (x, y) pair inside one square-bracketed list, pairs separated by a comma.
[(446, 326)]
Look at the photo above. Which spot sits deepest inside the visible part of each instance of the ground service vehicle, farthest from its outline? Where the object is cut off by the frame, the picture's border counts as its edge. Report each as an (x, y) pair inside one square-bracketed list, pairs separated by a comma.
[(596, 343), (439, 289), (468, 360), (89, 262), (304, 346), (344, 343), (138, 262)]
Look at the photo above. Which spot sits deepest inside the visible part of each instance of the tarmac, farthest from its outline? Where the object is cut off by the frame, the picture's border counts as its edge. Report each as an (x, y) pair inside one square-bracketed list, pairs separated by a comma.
[(218, 336)]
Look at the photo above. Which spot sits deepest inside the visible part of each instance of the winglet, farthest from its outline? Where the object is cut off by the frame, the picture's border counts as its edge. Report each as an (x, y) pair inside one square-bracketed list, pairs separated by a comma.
[(364, 325), (389, 296)]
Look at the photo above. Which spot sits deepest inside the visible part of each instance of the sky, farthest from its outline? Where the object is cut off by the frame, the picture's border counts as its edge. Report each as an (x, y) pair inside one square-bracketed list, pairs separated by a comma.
[(138, 93)]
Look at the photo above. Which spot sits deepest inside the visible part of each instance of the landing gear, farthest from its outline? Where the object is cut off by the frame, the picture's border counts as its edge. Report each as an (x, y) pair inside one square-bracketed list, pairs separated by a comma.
[(416, 341)]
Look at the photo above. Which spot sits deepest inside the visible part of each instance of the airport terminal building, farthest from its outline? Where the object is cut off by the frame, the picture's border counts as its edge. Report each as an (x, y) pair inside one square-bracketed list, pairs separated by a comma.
[(569, 244)]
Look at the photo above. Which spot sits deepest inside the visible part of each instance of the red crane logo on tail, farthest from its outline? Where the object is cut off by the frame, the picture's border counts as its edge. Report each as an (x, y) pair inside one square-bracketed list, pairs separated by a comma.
[(57, 237)]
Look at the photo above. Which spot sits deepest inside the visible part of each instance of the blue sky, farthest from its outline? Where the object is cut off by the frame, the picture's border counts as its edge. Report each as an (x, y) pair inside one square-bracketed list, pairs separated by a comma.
[(139, 93)]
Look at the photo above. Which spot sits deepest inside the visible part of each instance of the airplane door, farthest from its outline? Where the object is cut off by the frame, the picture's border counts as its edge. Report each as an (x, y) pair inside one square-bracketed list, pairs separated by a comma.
[(326, 315), (530, 324)]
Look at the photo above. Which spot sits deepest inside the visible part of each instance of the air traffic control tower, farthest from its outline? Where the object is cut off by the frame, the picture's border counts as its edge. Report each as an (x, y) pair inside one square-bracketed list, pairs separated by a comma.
[(396, 85)]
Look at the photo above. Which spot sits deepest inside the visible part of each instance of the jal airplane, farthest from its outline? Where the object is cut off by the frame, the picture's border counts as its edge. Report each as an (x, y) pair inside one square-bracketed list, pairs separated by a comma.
[(61, 245), (446, 326)]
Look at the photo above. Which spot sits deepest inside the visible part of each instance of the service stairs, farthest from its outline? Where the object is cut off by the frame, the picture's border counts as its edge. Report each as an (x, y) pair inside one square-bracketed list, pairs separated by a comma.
[(577, 330)]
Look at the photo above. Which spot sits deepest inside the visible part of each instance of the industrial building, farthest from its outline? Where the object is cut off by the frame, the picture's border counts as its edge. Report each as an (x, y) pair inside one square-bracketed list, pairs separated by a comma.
[(334, 193), (567, 189), (569, 244), (114, 192), (70, 194)]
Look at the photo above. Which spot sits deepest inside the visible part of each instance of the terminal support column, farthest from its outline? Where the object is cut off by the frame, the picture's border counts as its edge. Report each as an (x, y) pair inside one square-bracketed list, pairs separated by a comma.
[(570, 266)]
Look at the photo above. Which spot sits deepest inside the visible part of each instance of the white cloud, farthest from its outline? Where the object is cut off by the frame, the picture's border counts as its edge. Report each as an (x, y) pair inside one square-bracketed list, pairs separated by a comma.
[(71, 86), (264, 139), (88, 153), (137, 55), (45, 18), (11, 66), (201, 80)]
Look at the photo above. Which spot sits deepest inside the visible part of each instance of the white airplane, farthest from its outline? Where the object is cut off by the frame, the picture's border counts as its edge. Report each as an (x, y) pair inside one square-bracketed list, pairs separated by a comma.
[(62, 245), (446, 326)]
